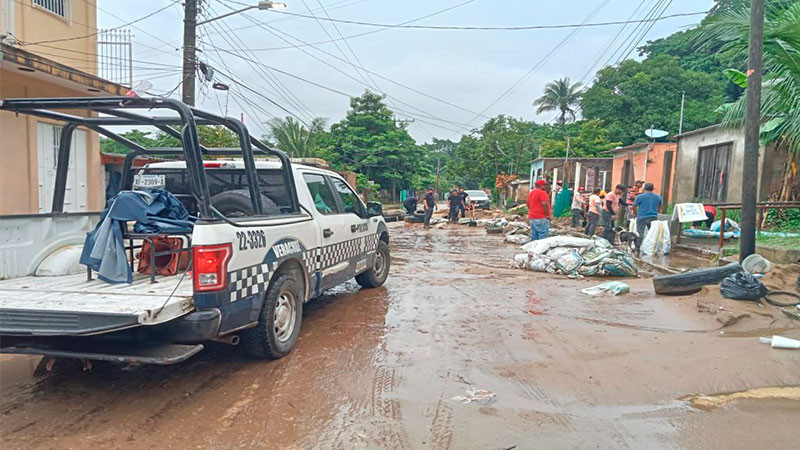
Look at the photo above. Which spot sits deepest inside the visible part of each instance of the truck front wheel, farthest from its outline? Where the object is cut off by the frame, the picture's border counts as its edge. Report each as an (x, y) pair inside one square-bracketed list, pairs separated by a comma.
[(279, 322), (379, 271)]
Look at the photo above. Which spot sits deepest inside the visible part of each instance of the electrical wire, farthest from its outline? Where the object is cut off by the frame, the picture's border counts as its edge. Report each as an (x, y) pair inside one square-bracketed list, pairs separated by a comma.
[(490, 28)]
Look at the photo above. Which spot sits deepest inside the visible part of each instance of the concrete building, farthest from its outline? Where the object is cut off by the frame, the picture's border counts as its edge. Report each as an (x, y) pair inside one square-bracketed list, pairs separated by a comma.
[(64, 66), (595, 172), (629, 166), (709, 169)]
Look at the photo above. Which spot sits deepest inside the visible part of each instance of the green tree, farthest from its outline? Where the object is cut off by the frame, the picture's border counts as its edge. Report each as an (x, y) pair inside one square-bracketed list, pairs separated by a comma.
[(560, 95), (369, 141), (294, 138), (780, 105), (635, 95)]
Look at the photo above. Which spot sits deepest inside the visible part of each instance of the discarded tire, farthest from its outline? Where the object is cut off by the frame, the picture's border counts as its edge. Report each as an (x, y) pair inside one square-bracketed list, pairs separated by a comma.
[(742, 286), (691, 282), (414, 219), (494, 230), (770, 298)]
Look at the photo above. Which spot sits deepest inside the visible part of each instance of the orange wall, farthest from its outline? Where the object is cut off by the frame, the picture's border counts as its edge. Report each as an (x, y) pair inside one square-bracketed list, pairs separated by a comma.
[(19, 186), (655, 166)]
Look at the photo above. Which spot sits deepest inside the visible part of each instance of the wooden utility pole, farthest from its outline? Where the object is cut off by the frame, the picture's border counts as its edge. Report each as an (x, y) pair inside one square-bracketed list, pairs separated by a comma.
[(747, 242), (189, 50)]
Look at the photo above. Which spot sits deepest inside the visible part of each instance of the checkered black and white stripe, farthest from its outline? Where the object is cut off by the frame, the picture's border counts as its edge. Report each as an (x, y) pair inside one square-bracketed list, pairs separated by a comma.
[(249, 281), (311, 260), (347, 250)]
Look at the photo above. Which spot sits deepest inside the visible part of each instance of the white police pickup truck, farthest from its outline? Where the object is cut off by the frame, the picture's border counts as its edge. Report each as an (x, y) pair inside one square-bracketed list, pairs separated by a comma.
[(269, 236)]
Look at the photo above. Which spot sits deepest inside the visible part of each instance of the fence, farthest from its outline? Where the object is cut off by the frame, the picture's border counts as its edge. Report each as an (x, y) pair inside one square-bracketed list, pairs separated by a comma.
[(115, 56)]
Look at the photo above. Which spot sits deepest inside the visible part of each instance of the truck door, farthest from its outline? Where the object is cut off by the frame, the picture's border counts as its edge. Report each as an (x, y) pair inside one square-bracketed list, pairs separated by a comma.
[(361, 231), (333, 228)]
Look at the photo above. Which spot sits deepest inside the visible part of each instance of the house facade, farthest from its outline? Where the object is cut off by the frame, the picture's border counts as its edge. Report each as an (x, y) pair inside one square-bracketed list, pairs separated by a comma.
[(709, 168), (659, 169), (594, 172), (48, 49)]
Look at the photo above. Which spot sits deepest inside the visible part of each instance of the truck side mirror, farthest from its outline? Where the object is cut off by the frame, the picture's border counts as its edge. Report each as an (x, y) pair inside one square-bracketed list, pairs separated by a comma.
[(374, 209)]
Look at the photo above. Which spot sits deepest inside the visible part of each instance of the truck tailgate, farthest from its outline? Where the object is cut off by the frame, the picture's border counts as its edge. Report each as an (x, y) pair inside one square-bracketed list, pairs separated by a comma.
[(72, 305)]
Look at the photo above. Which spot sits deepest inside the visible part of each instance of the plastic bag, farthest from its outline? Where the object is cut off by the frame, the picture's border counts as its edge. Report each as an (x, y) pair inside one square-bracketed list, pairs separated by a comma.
[(657, 241), (742, 286), (612, 287)]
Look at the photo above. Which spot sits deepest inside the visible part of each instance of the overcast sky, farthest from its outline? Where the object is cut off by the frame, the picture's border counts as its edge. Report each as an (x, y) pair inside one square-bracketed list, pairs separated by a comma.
[(468, 69)]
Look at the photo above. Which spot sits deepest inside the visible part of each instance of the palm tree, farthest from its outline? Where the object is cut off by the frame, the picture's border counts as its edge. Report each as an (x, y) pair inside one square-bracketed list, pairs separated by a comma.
[(292, 137), (562, 96), (780, 108)]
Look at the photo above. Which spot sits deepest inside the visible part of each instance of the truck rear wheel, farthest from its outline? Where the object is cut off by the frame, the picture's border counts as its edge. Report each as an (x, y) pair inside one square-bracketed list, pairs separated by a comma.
[(379, 271), (237, 203), (279, 321)]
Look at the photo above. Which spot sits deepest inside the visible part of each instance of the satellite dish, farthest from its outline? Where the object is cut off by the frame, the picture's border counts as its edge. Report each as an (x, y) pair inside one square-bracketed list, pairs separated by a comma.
[(652, 133)]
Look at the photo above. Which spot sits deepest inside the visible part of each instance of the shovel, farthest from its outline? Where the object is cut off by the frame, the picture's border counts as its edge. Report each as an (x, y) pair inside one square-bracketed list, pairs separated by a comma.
[(472, 221)]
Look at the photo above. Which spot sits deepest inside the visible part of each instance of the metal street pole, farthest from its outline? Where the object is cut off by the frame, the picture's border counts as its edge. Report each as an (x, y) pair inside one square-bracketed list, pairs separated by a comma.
[(747, 241), (189, 49)]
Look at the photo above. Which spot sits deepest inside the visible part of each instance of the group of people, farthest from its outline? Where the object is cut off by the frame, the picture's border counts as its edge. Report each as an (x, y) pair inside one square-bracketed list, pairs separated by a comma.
[(458, 202), (608, 210)]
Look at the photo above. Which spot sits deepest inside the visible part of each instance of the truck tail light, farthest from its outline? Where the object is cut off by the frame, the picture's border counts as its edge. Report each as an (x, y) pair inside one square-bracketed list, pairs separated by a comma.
[(210, 266)]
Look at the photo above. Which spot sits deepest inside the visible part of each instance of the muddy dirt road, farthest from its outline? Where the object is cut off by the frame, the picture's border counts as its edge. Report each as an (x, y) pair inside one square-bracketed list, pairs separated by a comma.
[(380, 369)]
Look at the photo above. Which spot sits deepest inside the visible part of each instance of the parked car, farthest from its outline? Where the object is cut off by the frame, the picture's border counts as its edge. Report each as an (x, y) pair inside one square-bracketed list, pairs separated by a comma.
[(479, 199), (268, 237)]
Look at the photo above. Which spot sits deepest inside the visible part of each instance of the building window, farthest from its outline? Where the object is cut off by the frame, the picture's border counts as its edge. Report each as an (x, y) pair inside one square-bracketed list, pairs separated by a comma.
[(713, 165), (57, 7)]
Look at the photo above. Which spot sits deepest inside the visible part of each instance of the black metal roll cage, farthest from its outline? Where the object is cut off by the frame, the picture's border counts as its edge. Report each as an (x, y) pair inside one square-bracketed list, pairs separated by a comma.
[(117, 111)]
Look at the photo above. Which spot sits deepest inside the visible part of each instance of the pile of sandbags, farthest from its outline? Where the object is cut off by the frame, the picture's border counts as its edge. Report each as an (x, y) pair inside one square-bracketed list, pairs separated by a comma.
[(575, 256)]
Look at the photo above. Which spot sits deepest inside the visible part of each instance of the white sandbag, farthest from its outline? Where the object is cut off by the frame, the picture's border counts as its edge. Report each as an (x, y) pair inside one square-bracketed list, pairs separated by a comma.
[(657, 241), (521, 261), (517, 239), (543, 245), (539, 264), (569, 262)]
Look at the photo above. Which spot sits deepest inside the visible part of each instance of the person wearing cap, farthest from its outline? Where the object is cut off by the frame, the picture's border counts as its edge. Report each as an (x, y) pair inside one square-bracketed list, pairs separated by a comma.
[(646, 206), (539, 211), (577, 208), (456, 202), (430, 206)]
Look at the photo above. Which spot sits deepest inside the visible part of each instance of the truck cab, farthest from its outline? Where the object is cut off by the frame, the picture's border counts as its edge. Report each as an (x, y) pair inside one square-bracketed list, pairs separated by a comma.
[(266, 237)]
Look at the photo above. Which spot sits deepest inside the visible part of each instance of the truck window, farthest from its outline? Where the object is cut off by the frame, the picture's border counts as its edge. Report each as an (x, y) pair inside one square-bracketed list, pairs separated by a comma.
[(350, 200), (321, 193)]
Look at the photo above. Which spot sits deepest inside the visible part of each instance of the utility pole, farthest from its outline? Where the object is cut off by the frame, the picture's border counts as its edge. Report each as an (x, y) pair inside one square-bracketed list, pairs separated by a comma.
[(680, 123), (189, 50), (747, 242), (438, 167)]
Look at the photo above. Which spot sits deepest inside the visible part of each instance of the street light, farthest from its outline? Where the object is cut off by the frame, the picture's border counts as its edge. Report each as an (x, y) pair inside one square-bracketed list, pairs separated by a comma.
[(263, 5)]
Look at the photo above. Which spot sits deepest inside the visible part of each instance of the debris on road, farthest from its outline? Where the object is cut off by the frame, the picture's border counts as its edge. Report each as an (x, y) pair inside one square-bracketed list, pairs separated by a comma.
[(518, 239), (781, 342), (475, 395), (657, 240), (575, 257), (692, 281), (612, 287), (742, 286), (756, 263)]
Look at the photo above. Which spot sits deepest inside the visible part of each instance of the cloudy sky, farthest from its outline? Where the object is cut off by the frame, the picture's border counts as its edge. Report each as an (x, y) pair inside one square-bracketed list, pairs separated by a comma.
[(440, 79)]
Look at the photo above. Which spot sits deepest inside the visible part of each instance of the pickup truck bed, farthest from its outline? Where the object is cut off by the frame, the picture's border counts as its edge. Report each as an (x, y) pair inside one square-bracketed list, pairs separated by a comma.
[(49, 306)]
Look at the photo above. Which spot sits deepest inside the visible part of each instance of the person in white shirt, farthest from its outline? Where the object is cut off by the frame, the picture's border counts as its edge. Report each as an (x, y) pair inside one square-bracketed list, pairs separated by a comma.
[(577, 208)]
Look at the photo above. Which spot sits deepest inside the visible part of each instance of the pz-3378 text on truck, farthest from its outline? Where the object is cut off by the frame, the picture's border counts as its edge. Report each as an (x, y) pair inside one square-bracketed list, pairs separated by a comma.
[(265, 236)]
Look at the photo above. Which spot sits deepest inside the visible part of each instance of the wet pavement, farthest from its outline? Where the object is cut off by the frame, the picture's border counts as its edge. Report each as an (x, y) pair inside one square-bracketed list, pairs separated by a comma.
[(380, 369)]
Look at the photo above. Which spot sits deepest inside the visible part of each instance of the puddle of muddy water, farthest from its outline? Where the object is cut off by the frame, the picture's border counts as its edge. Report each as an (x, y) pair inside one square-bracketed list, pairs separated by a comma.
[(709, 402)]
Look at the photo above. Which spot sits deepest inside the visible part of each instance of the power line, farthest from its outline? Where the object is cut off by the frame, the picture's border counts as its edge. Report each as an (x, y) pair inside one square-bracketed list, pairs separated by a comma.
[(417, 19), (488, 28), (543, 61)]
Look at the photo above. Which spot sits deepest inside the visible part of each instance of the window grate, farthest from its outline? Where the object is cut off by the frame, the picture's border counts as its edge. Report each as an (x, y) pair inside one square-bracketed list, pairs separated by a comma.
[(57, 7)]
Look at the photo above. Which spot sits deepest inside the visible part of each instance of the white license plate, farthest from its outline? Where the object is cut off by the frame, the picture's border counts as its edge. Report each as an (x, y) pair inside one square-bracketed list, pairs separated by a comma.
[(149, 182)]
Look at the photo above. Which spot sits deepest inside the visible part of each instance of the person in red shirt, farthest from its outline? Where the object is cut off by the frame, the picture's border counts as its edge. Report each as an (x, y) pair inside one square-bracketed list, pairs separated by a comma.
[(711, 215), (539, 211)]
